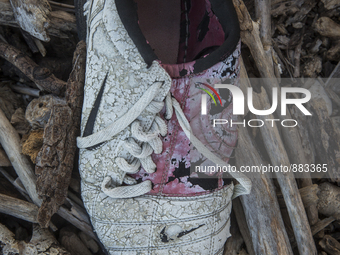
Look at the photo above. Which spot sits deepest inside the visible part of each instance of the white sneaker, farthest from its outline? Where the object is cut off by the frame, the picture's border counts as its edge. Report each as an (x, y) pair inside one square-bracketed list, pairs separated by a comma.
[(142, 129)]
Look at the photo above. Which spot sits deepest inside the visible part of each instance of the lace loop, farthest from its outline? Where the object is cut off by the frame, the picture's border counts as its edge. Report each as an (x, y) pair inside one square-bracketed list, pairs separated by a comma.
[(125, 191), (126, 167)]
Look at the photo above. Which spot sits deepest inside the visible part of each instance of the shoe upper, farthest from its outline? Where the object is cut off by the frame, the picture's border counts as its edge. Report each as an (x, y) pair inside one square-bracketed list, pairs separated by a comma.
[(142, 132)]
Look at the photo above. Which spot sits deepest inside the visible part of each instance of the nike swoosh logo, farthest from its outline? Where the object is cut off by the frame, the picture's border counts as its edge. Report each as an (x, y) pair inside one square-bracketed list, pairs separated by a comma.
[(165, 238), (93, 114)]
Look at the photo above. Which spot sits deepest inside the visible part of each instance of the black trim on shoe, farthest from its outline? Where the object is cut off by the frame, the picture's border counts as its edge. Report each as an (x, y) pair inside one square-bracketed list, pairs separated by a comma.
[(89, 126), (80, 19), (127, 11), (224, 11)]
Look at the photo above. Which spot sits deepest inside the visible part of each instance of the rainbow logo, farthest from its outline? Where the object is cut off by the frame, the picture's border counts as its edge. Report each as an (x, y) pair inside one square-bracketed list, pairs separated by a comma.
[(209, 93)]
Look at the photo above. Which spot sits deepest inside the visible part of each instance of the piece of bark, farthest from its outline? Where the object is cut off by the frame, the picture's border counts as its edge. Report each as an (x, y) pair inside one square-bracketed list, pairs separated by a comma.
[(266, 226), (69, 239), (32, 16), (52, 168), (42, 242), (330, 245), (327, 27), (329, 199), (41, 76), (32, 145), (313, 67), (278, 156), (55, 159), (18, 208)]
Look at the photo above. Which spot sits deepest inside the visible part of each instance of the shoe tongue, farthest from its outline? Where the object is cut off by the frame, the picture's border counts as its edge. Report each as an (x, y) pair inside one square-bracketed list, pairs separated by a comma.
[(160, 24)]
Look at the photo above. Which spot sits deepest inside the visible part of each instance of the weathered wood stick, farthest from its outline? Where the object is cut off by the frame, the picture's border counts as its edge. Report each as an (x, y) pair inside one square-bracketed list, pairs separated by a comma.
[(330, 245), (242, 224), (19, 186), (324, 223), (42, 242), (4, 161), (10, 141), (250, 35), (260, 206), (26, 90), (32, 16), (309, 153), (72, 242), (325, 136), (278, 156), (18, 208), (61, 23), (266, 225), (41, 76), (262, 12), (234, 243), (81, 223)]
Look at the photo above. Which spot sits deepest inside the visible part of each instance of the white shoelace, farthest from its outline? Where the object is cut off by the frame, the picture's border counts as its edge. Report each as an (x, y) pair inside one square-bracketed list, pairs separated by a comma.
[(149, 142)]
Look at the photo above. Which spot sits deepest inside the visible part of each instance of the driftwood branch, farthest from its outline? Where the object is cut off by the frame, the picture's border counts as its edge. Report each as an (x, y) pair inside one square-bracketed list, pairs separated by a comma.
[(18, 208), (61, 23), (32, 16), (250, 35), (41, 76), (278, 156), (266, 226)]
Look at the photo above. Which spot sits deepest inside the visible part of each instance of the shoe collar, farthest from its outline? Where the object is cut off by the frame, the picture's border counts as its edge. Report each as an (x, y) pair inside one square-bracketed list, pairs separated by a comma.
[(224, 11)]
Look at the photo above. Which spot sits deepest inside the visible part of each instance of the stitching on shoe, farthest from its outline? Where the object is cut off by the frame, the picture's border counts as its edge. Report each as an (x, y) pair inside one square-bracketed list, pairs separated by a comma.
[(137, 223)]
